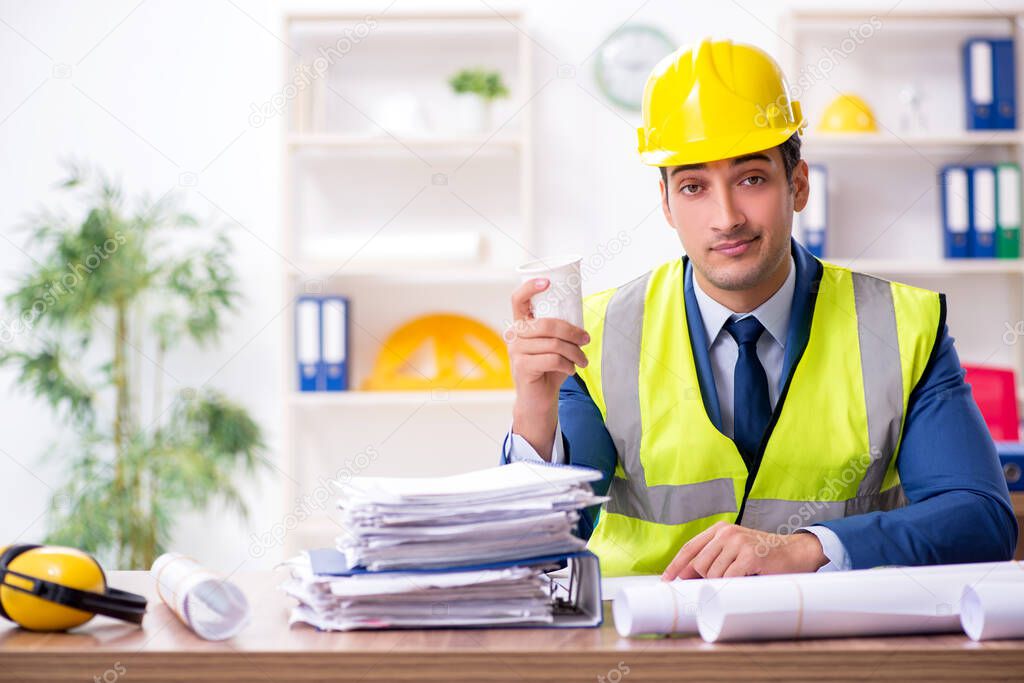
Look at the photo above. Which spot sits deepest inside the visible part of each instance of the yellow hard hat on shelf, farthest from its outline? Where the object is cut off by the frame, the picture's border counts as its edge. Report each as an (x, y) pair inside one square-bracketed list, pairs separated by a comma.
[(715, 100), (848, 113), (441, 351)]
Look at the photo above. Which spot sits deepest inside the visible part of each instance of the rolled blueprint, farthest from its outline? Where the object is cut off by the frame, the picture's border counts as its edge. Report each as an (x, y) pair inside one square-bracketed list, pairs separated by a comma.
[(993, 609), (651, 606), (899, 600), (860, 602), (206, 602), (658, 607)]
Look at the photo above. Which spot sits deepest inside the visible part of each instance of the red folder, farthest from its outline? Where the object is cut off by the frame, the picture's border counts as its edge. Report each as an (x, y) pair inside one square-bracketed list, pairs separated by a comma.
[(995, 392)]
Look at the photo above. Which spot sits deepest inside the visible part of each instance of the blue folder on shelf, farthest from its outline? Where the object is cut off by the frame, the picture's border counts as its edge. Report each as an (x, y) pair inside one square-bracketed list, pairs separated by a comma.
[(955, 184), (983, 211), (334, 342), (814, 217), (990, 86), (578, 606), (308, 347)]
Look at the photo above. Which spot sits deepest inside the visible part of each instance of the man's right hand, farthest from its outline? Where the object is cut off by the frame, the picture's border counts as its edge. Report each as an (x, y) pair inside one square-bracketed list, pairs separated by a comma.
[(542, 353)]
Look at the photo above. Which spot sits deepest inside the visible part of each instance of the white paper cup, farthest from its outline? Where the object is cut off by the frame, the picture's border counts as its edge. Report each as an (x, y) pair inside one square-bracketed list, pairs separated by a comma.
[(563, 298)]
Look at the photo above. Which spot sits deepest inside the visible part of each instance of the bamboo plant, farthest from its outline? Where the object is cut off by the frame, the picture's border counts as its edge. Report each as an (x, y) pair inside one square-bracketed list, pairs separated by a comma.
[(109, 294)]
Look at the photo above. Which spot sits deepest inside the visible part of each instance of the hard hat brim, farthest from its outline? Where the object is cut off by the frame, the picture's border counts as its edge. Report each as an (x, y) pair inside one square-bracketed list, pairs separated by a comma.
[(703, 151)]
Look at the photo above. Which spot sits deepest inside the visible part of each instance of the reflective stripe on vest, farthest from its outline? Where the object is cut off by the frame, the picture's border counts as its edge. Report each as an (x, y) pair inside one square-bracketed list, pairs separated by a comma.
[(868, 346), (620, 370), (786, 516), (678, 504), (883, 378)]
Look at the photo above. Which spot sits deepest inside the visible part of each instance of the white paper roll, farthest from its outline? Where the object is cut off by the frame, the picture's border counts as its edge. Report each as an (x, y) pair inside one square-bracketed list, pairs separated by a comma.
[(661, 608), (882, 600), (861, 603), (210, 605), (657, 607), (993, 609)]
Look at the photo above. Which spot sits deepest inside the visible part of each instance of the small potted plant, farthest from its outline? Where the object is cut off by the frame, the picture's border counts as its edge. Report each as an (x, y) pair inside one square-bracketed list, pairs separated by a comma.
[(475, 91)]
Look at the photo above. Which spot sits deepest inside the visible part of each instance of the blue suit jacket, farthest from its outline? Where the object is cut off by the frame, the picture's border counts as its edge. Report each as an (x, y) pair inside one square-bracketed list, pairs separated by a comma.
[(959, 507)]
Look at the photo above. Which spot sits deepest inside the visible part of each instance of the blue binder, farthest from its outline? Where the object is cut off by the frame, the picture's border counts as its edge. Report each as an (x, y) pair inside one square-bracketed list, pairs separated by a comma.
[(1011, 457), (308, 347), (990, 86), (983, 211), (334, 336), (955, 184), (814, 217), (580, 609)]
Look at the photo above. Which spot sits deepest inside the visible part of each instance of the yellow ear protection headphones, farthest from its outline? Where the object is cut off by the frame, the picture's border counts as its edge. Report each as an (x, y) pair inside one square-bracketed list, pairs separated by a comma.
[(51, 588)]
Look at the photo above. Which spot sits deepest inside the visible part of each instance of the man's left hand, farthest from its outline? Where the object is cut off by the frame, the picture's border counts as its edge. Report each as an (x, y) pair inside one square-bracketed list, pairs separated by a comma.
[(732, 550)]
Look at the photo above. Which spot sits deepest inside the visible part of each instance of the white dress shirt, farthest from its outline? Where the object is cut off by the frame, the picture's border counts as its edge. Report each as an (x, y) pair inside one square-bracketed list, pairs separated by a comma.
[(723, 351)]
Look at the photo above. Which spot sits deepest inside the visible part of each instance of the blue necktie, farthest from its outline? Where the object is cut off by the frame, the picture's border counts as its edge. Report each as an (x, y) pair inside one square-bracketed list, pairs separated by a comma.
[(751, 406)]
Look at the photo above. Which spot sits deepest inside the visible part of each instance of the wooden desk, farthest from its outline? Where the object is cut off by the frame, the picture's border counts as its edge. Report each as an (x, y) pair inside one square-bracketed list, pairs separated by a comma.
[(268, 650)]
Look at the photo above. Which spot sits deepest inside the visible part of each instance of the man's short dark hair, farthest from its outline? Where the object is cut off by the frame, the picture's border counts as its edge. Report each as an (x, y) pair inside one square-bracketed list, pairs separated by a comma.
[(790, 151)]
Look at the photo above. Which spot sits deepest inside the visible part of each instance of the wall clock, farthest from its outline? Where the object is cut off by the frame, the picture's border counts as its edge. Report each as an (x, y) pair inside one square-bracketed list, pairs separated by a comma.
[(625, 60)]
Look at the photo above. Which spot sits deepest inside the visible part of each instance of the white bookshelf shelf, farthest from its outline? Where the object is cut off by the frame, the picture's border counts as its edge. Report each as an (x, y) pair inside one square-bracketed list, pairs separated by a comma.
[(937, 19), (485, 24), (884, 141), (936, 267), (479, 146), (408, 273), (373, 399)]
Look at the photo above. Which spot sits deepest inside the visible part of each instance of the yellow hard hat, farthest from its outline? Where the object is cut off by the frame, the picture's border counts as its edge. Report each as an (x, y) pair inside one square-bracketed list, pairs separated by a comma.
[(848, 113), (441, 351), (715, 100)]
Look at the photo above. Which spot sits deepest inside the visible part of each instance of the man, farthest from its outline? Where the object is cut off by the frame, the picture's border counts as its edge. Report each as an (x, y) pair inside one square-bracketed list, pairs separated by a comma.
[(755, 410)]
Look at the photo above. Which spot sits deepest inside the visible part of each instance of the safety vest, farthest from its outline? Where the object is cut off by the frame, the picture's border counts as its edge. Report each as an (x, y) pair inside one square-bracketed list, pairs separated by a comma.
[(830, 446)]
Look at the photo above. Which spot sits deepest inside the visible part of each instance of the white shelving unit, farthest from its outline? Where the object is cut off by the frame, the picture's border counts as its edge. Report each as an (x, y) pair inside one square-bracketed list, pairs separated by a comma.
[(884, 200), (838, 144), (372, 153), (453, 144), (375, 399)]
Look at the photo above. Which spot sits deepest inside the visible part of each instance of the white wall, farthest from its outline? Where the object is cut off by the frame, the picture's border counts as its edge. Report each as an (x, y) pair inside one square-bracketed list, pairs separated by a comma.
[(163, 88), (155, 91)]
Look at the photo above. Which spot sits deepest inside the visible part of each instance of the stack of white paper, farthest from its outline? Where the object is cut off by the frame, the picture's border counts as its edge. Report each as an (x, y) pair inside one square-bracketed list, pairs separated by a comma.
[(466, 550), (515, 511), (494, 597)]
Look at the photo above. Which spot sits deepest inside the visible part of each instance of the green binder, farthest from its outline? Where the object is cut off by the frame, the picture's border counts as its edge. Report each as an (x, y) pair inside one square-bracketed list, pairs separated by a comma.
[(1008, 210)]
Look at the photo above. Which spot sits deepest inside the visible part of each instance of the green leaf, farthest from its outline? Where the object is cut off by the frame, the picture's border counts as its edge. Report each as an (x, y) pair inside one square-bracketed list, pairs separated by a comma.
[(47, 375)]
